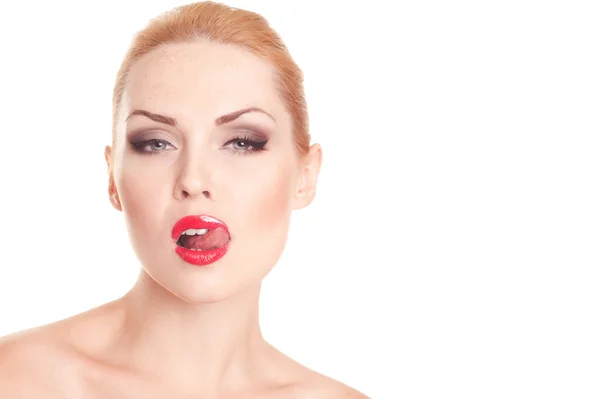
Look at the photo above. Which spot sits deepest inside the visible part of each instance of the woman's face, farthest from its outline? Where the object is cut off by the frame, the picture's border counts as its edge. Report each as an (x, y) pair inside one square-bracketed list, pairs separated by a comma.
[(175, 156)]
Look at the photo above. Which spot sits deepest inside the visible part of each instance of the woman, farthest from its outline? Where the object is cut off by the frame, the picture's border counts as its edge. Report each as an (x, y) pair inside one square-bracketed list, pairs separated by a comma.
[(209, 157)]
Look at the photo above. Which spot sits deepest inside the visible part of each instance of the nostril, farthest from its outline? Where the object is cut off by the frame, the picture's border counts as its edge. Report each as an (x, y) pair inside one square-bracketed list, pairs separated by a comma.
[(184, 194)]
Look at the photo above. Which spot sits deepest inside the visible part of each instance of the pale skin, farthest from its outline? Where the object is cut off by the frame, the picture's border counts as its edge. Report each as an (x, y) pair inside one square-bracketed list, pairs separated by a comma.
[(185, 331)]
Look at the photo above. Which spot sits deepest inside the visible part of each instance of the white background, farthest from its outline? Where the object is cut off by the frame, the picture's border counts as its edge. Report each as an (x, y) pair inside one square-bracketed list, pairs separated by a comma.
[(452, 249)]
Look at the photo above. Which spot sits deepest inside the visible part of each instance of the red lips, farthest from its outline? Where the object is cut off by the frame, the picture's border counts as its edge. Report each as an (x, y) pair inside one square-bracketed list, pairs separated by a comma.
[(203, 257)]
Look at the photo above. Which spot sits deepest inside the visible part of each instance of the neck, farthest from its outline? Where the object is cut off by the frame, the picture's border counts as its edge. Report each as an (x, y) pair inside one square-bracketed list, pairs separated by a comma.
[(212, 345)]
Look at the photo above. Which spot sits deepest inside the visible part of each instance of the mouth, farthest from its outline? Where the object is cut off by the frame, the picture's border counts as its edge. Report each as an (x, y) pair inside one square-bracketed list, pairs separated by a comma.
[(200, 239), (203, 239)]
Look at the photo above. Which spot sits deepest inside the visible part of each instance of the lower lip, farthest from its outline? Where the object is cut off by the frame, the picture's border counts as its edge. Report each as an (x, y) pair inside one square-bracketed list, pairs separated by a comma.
[(201, 258)]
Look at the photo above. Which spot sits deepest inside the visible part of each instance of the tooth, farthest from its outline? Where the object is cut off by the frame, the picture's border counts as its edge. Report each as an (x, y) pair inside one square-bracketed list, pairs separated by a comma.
[(189, 232), (201, 231)]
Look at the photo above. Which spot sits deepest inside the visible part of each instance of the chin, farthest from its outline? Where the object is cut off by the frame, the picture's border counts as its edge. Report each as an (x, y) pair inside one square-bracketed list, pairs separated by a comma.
[(229, 276), (216, 283), (205, 290)]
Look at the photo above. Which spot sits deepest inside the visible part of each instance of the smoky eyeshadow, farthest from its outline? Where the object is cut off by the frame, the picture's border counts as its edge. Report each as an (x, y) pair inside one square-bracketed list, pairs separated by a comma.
[(255, 130), (247, 134), (136, 138)]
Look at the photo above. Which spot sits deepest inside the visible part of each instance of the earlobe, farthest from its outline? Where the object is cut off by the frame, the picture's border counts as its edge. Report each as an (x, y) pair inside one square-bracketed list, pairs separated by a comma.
[(112, 189), (107, 152), (307, 181), (113, 193), (114, 200)]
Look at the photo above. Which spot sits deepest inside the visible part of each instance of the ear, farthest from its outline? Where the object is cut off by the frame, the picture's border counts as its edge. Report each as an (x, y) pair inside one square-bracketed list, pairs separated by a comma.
[(306, 186), (113, 195)]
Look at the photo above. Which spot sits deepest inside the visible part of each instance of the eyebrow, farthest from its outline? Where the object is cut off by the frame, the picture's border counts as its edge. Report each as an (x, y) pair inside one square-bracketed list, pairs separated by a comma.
[(221, 120)]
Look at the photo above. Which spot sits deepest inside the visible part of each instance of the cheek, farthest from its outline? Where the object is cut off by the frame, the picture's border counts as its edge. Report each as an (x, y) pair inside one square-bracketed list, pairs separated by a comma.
[(271, 205), (140, 191)]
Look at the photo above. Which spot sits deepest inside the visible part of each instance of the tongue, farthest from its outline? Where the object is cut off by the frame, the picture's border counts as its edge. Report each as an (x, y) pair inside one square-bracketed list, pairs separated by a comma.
[(213, 239)]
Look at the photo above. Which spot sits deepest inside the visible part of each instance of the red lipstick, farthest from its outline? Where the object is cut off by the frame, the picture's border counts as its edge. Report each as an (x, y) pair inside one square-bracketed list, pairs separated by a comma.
[(198, 257)]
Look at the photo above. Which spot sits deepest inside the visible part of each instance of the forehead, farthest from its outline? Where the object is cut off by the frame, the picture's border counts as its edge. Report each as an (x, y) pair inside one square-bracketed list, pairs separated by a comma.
[(202, 80)]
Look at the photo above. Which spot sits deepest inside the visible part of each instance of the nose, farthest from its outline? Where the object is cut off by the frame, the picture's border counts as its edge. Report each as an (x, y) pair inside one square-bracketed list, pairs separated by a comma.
[(193, 180)]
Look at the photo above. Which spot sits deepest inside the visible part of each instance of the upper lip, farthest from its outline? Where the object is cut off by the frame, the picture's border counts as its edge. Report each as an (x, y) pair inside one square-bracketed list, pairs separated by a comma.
[(196, 222)]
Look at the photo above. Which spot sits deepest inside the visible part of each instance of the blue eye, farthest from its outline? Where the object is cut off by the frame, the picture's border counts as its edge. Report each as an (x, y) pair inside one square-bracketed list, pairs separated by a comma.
[(245, 145), (240, 146), (152, 146)]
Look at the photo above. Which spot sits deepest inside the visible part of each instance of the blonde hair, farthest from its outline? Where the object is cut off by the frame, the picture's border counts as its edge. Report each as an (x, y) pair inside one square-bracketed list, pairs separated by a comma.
[(223, 24)]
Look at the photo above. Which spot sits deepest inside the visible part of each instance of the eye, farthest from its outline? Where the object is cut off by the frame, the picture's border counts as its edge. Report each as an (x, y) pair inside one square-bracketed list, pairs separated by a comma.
[(246, 145), (151, 146)]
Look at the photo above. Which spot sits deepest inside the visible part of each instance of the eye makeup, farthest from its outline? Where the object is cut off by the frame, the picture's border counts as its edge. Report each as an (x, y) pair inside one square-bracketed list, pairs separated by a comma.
[(242, 143), (250, 146)]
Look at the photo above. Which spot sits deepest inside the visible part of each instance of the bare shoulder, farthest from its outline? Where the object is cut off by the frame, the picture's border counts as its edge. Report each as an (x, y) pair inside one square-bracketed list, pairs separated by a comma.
[(309, 384), (322, 387), (31, 363), (306, 383), (49, 359)]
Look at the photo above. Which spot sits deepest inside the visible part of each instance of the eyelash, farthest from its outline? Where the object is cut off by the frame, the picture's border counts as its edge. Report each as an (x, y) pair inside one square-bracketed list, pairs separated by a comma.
[(256, 146)]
